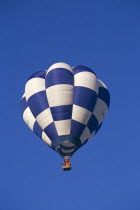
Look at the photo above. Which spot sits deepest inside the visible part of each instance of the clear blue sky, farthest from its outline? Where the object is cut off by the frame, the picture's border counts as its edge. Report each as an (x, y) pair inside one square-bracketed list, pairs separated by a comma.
[(104, 35)]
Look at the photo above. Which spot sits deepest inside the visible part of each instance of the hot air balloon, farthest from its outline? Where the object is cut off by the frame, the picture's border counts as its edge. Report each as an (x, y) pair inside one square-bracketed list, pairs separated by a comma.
[(65, 107)]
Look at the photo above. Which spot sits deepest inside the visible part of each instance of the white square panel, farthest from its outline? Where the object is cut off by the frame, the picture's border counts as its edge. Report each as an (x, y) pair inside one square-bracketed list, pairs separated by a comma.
[(29, 118), (60, 65), (81, 114), (100, 110), (33, 86), (61, 94), (85, 135), (46, 139), (63, 127), (44, 118), (86, 79)]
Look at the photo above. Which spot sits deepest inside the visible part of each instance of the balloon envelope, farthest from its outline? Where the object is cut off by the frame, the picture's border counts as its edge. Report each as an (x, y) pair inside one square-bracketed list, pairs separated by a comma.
[(65, 106)]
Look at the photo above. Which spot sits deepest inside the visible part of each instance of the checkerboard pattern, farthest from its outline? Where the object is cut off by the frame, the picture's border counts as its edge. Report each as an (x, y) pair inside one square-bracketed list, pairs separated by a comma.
[(65, 106)]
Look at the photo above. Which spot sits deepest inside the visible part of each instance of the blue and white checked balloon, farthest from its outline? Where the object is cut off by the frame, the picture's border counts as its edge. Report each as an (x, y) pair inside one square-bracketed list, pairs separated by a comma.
[(65, 106)]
